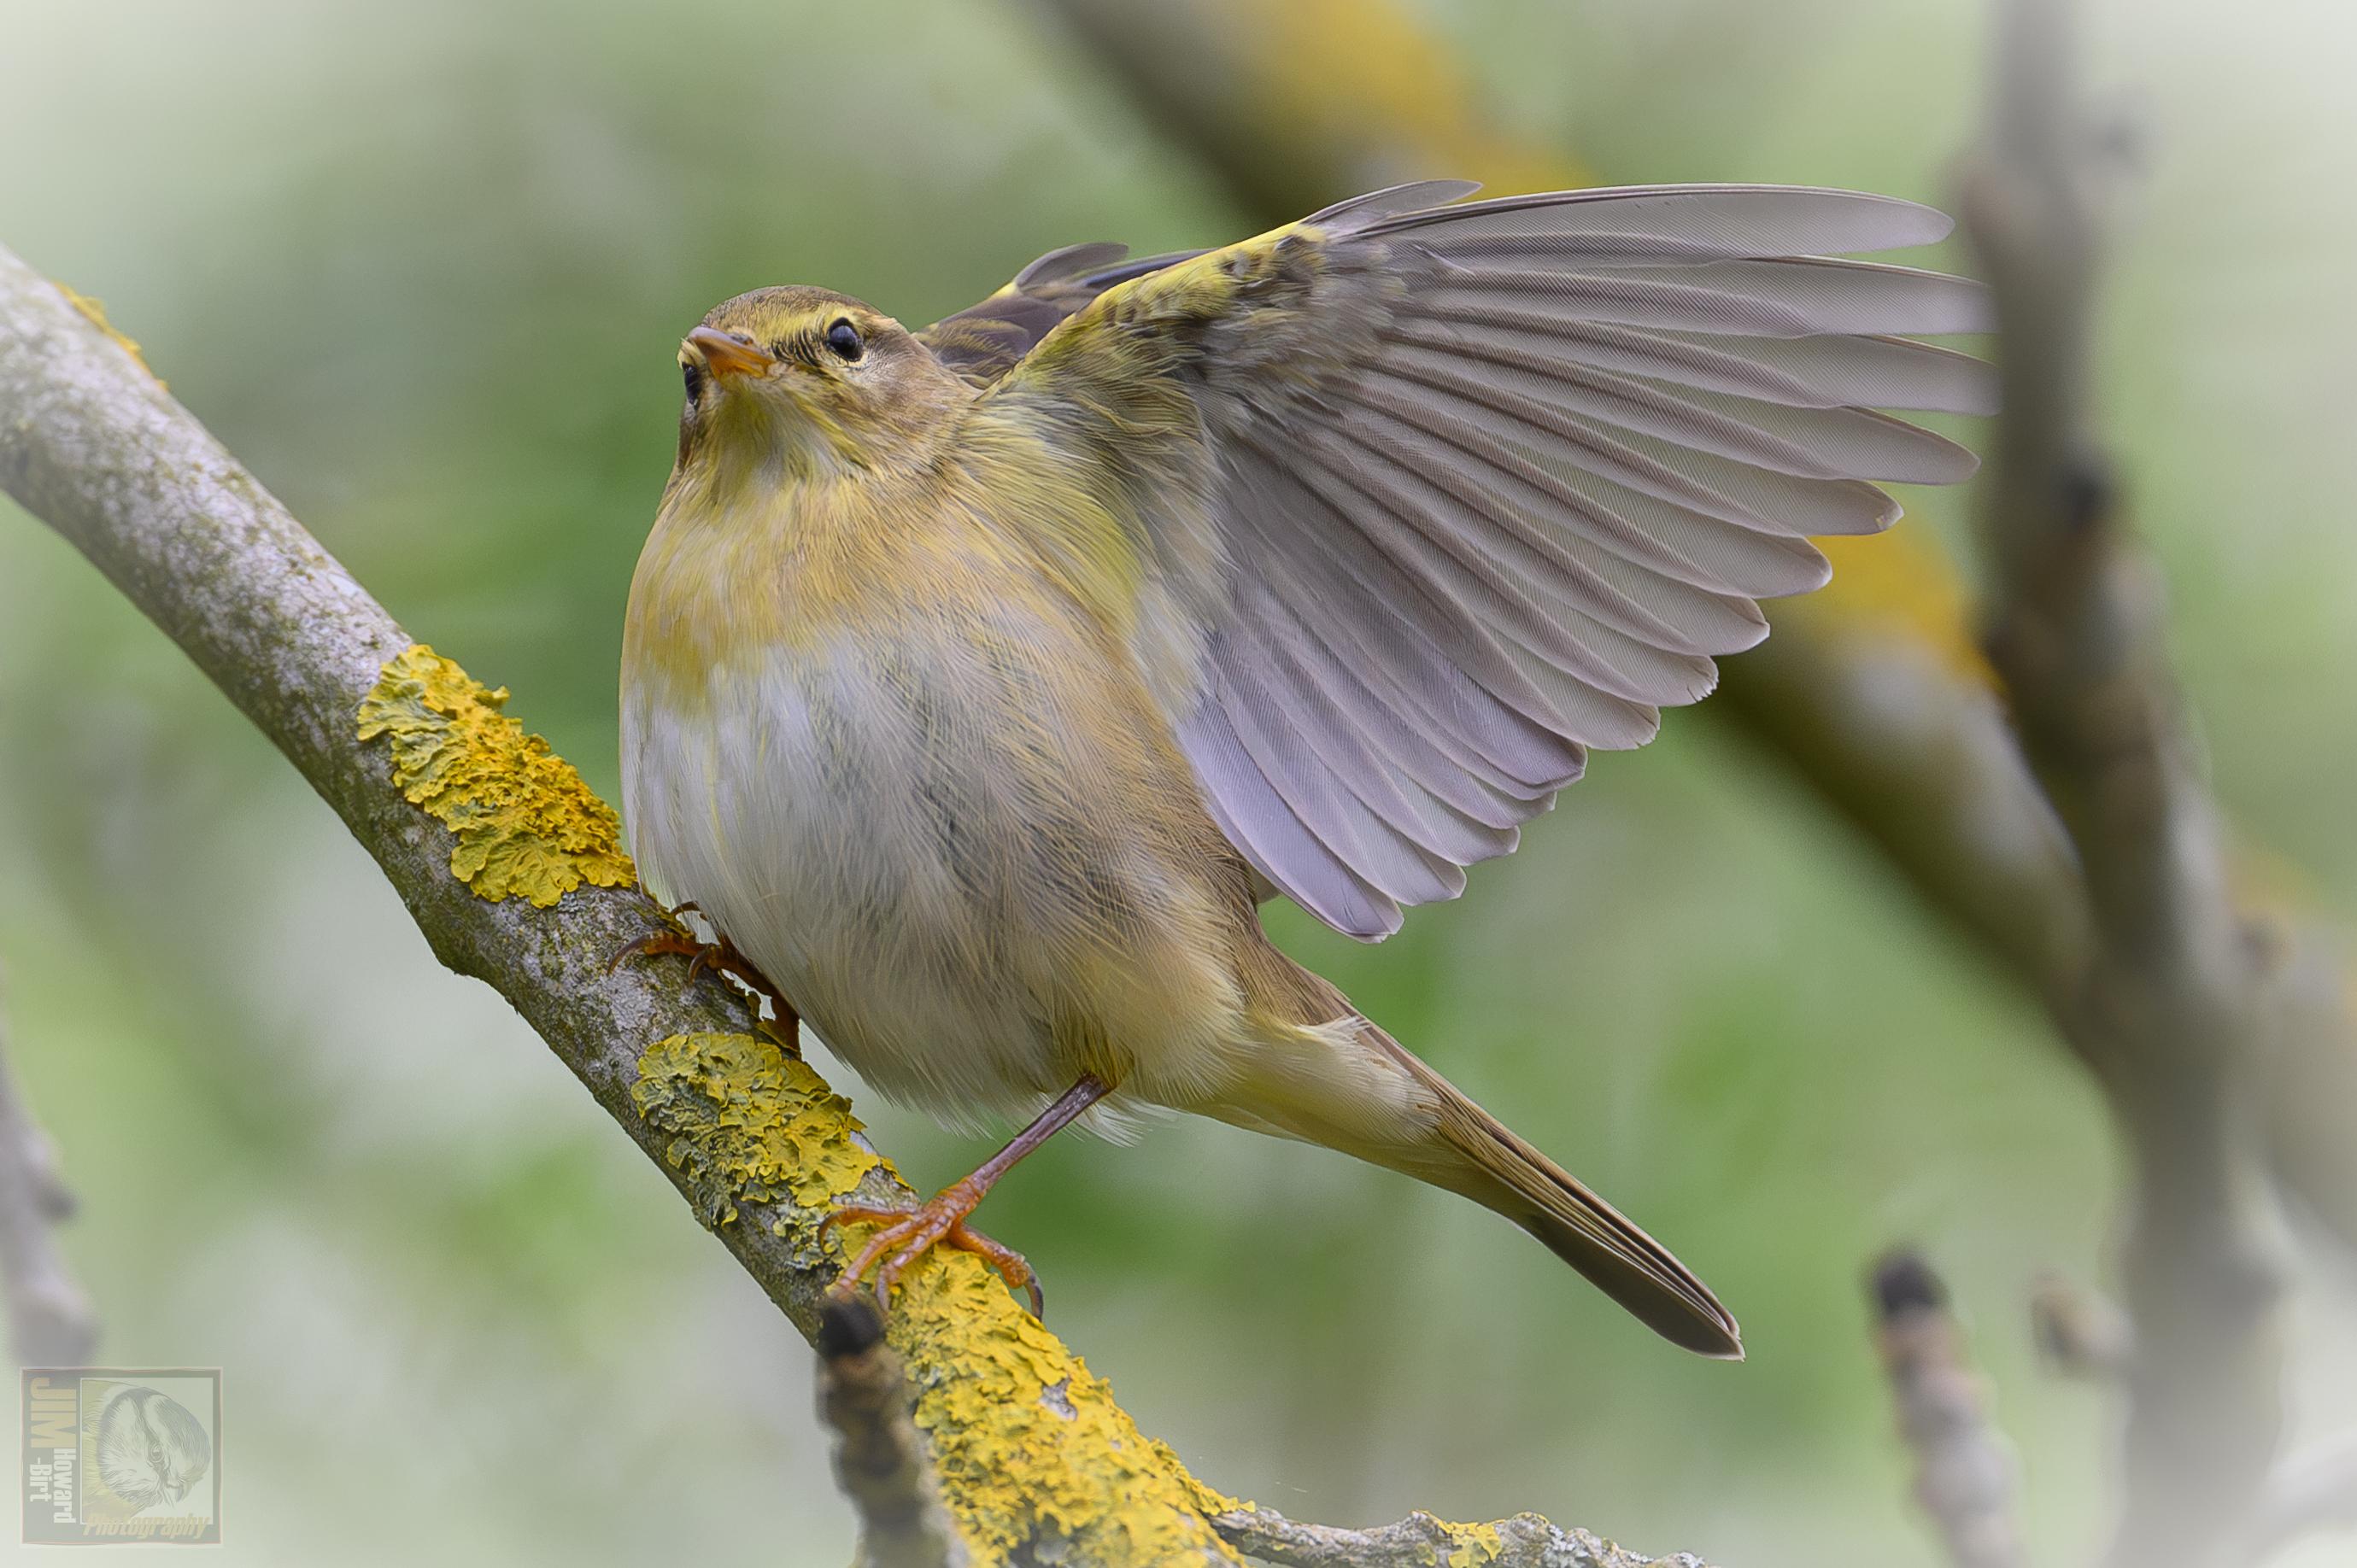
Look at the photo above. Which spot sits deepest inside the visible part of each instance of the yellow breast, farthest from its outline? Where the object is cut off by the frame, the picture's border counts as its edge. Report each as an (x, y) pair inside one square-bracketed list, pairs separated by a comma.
[(892, 732), (778, 561)]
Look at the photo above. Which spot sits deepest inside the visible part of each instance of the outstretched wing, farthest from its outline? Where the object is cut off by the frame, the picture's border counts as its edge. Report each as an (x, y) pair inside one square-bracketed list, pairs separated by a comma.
[(983, 341), (1460, 491)]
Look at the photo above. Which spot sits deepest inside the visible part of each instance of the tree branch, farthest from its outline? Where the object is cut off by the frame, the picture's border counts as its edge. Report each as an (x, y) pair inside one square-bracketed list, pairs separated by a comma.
[(2167, 1015), (1420, 1541), (50, 1322), (512, 870)]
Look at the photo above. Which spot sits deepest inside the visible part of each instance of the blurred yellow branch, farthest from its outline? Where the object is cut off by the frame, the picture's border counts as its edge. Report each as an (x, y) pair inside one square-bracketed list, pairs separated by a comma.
[(1299, 102), (509, 868)]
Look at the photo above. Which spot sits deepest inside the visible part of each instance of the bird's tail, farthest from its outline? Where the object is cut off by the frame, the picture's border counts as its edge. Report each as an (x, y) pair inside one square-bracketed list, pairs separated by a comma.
[(1475, 1155)]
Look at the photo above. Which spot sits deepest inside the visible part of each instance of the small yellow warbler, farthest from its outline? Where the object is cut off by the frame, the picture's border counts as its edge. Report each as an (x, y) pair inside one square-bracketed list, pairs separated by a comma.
[(979, 682)]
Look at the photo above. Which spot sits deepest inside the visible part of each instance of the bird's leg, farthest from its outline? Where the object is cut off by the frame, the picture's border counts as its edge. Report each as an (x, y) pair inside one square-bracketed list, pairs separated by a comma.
[(909, 1233), (720, 956)]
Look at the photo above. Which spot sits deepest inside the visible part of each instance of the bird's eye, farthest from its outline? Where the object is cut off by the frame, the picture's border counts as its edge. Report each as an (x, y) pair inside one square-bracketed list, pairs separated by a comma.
[(843, 339), (692, 374)]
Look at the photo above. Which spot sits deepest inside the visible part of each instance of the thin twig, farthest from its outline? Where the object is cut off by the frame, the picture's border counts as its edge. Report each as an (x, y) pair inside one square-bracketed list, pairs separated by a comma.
[(879, 1459), (1421, 1541), (1965, 1473), (2167, 1016), (50, 1321)]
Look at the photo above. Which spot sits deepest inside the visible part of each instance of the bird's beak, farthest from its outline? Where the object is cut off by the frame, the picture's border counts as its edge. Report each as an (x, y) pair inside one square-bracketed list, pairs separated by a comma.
[(726, 356)]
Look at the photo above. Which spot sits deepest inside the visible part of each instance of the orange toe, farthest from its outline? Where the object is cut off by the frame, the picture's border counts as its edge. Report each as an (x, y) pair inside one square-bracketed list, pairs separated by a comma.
[(1012, 1266), (908, 1234)]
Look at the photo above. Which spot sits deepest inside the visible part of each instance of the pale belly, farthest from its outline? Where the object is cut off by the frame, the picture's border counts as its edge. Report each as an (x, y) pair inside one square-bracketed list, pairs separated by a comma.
[(950, 863)]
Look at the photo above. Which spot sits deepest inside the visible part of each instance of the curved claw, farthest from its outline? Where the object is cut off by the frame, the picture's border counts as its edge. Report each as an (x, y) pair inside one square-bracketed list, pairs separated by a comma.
[(642, 947), (1010, 1264), (673, 940), (721, 957), (909, 1233)]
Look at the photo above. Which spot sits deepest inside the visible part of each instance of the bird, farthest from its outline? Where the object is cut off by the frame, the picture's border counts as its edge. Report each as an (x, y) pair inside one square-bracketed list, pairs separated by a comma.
[(981, 681), (149, 1448)]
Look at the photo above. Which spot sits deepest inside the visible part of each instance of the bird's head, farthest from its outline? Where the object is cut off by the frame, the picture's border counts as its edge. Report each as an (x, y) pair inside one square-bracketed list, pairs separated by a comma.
[(800, 381)]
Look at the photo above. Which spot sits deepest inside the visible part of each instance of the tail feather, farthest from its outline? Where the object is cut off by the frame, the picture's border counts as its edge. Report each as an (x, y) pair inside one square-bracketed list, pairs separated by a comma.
[(1499, 1170), (1329, 1077)]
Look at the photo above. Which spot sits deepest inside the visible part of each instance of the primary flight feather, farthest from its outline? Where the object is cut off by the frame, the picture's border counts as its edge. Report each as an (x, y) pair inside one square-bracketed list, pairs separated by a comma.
[(979, 682)]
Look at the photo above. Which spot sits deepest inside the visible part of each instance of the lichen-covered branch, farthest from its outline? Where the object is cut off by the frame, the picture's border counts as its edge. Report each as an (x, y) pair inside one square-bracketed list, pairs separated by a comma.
[(514, 871), (50, 1321), (1965, 1478), (2168, 1013)]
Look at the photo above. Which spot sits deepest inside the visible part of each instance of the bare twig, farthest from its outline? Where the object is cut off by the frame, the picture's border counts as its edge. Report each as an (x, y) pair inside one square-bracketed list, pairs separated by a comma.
[(2168, 1015), (50, 1322), (1420, 1541), (879, 1457), (1966, 1474)]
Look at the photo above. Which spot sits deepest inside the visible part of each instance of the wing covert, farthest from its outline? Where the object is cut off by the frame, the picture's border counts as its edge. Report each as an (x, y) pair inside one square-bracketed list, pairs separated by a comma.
[(986, 339)]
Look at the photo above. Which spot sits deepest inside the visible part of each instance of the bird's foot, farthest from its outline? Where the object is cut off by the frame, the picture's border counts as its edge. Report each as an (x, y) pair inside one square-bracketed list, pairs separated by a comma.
[(721, 956), (909, 1233)]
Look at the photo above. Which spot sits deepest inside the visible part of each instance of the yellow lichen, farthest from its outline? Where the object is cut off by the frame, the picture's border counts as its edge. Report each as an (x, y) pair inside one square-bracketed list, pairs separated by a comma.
[(525, 824), (1471, 1545), (94, 311), (748, 1123), (1028, 1443)]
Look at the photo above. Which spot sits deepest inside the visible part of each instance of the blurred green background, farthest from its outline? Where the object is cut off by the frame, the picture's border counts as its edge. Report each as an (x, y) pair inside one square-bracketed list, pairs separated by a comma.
[(424, 267)]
